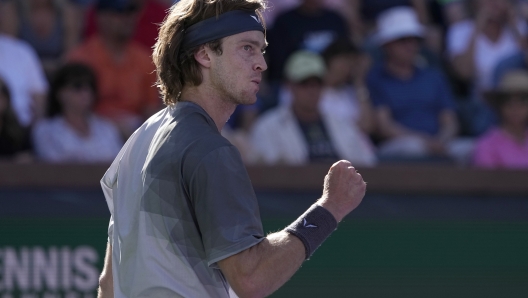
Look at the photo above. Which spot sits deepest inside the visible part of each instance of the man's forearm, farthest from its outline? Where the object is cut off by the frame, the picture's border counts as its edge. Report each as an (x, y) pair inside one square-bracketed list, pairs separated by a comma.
[(260, 270), (265, 267), (448, 126)]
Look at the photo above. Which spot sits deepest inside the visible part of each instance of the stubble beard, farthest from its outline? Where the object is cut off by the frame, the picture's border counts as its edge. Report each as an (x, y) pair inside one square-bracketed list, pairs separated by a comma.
[(227, 89)]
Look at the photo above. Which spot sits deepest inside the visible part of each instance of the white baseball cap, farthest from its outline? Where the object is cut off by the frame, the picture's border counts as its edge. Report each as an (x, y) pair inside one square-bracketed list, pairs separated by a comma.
[(398, 22), (304, 64)]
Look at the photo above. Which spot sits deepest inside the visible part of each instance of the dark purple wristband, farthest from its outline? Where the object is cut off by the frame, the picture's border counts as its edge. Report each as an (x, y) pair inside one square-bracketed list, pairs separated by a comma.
[(313, 227)]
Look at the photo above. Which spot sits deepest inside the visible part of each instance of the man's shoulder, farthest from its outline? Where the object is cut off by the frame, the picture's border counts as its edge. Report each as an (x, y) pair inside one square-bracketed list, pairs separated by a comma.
[(195, 130)]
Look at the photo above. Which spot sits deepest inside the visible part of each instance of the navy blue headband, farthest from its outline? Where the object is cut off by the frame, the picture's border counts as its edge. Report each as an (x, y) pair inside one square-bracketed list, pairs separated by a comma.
[(229, 23)]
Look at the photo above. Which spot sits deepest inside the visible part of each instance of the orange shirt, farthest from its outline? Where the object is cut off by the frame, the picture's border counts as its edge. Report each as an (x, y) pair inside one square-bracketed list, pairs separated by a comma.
[(125, 86)]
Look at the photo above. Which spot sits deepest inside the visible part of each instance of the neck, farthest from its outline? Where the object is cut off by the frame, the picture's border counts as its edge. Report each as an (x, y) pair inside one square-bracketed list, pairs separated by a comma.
[(399, 69), (216, 107), (517, 131)]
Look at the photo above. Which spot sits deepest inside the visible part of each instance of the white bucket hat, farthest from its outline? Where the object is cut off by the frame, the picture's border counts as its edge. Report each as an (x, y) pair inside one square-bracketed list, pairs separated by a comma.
[(396, 23)]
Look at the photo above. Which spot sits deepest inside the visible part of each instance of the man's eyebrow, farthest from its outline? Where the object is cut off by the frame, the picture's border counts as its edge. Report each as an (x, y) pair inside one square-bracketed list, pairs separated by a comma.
[(255, 43)]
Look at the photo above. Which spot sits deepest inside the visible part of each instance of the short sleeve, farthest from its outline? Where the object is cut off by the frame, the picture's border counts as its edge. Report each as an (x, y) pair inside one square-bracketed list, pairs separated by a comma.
[(225, 205)]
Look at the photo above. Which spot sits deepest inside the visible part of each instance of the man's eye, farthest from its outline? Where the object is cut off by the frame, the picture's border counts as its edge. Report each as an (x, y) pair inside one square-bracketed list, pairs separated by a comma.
[(247, 48)]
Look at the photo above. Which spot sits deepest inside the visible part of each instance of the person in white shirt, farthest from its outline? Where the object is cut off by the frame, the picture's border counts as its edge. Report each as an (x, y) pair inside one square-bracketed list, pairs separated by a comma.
[(346, 94), (476, 46), (23, 74), (73, 133), (299, 133)]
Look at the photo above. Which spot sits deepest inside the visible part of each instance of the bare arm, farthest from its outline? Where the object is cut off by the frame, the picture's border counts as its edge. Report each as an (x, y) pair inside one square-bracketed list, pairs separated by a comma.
[(448, 126), (106, 281), (265, 267), (464, 63), (387, 127), (38, 106)]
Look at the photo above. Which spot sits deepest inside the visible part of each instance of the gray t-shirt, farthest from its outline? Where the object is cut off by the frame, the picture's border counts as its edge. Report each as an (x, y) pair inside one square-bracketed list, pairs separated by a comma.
[(181, 200)]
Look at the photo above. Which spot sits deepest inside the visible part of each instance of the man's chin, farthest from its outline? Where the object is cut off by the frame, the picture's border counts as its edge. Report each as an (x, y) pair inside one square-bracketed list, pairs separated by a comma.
[(248, 100)]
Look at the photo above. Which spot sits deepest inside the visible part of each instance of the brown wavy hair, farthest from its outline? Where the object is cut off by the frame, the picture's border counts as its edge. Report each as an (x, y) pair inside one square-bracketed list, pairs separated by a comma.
[(177, 68)]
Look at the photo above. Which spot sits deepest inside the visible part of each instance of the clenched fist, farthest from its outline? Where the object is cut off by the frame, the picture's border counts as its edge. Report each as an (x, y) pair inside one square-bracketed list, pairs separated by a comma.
[(344, 189)]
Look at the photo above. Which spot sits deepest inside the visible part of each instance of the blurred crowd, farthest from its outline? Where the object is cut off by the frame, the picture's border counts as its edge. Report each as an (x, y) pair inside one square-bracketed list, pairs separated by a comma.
[(371, 81)]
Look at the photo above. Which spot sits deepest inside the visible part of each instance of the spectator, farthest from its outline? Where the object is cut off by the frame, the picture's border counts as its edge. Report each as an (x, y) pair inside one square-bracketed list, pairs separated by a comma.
[(24, 77), (414, 106), (124, 69), (276, 7), (346, 94), (14, 138), (8, 18), (72, 133), (50, 27), (476, 46), (299, 133), (517, 61), (506, 146), (150, 14), (309, 26), (369, 11)]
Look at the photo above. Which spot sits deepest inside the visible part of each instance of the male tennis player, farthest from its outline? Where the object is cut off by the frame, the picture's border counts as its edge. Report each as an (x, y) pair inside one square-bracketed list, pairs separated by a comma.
[(185, 220)]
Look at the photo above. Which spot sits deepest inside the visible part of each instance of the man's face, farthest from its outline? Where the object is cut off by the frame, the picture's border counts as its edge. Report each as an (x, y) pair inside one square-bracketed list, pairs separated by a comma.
[(496, 10), (306, 93), (237, 72), (340, 68), (117, 25), (403, 50)]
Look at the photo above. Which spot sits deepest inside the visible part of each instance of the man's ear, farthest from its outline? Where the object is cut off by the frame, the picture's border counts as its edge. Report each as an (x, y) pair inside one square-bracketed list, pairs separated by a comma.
[(202, 56)]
